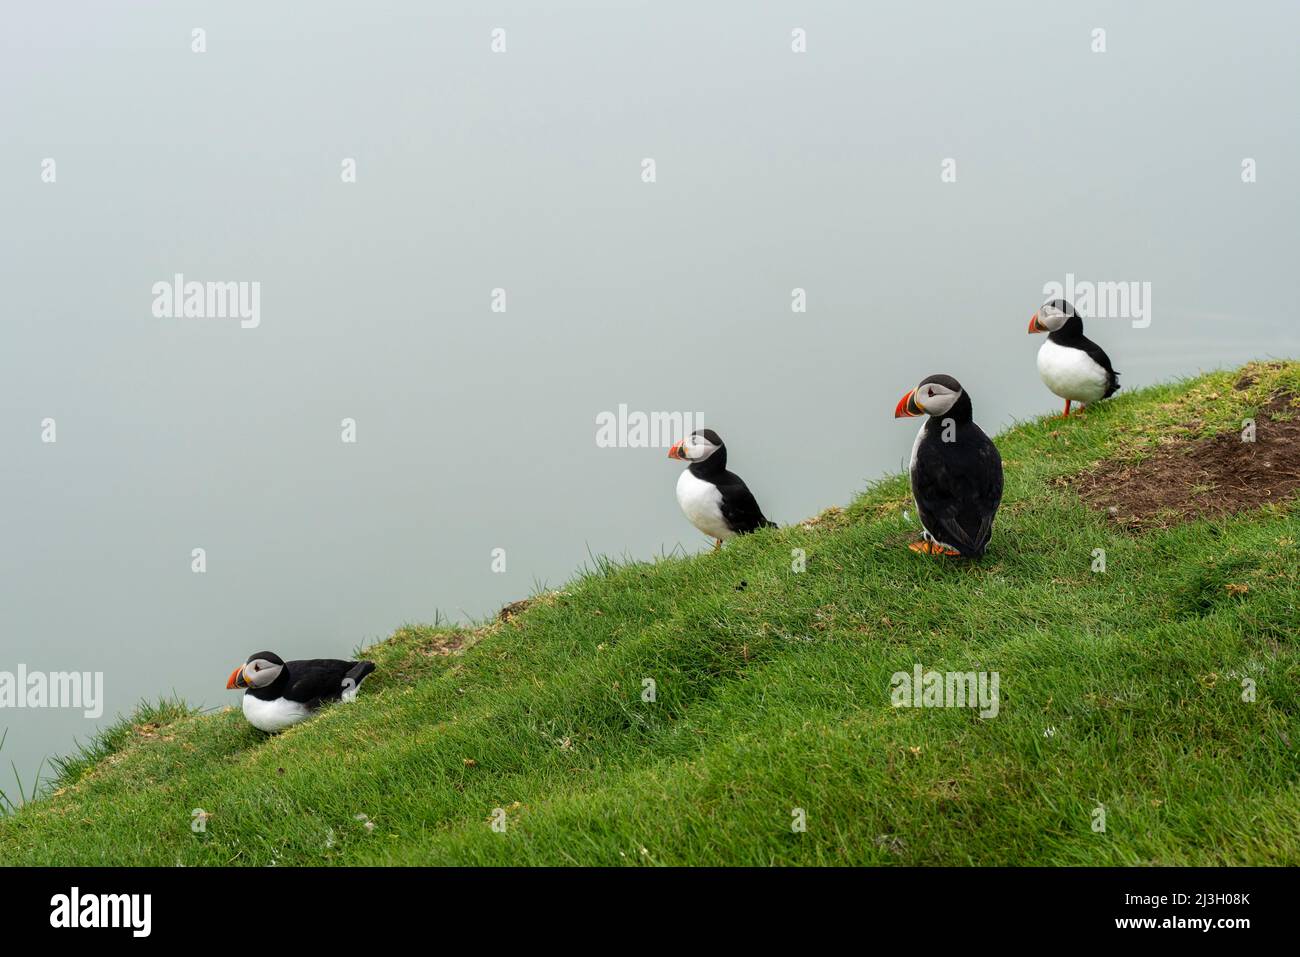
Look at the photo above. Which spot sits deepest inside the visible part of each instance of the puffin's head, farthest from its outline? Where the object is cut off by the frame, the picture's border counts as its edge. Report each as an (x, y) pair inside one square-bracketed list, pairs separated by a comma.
[(697, 446), (258, 671), (934, 396), (1052, 316)]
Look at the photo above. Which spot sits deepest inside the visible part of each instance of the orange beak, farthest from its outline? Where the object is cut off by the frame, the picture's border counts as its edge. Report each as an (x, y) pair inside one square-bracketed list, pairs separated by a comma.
[(907, 407), (236, 679), (1034, 326), (678, 451)]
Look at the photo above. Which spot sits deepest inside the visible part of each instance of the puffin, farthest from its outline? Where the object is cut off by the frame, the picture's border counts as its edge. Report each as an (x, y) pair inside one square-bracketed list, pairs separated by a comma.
[(956, 471), (716, 501), (1071, 364), (279, 694)]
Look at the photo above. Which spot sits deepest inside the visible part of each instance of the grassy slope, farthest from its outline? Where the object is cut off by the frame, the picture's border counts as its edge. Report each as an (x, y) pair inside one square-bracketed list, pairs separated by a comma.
[(776, 696)]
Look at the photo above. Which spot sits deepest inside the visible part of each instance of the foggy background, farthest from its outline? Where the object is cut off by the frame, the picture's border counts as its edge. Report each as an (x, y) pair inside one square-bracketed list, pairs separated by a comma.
[(522, 170)]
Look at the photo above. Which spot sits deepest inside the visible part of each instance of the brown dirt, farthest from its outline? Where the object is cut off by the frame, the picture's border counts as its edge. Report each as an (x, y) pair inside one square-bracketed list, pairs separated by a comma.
[(448, 644), (1203, 477), (832, 517), (513, 609), (1251, 375)]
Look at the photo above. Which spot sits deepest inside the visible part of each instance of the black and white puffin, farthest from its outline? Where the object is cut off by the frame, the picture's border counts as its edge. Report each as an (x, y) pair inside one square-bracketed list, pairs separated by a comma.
[(716, 501), (956, 470), (280, 694), (1071, 364)]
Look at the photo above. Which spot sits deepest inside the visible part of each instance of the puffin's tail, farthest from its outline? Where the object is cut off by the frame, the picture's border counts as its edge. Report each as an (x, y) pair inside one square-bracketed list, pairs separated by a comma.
[(359, 671), (1112, 384)]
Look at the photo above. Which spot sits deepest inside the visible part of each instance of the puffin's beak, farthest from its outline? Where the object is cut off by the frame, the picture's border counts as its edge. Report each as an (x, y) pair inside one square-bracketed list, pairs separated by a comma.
[(1034, 326), (236, 679), (907, 407), (678, 451)]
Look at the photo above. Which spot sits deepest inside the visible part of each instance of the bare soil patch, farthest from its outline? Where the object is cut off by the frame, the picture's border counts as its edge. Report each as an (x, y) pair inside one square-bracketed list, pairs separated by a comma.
[(514, 609), (1196, 478)]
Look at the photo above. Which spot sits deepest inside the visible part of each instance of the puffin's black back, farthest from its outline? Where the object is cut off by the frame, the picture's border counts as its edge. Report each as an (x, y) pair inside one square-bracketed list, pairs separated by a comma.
[(958, 485), (314, 681), (739, 507)]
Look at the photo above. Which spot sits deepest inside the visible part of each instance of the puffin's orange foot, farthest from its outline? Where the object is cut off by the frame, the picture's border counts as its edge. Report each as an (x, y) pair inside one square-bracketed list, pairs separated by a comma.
[(928, 547)]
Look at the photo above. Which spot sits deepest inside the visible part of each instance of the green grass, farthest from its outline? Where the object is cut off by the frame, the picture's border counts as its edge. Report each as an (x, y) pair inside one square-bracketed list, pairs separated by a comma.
[(1121, 690)]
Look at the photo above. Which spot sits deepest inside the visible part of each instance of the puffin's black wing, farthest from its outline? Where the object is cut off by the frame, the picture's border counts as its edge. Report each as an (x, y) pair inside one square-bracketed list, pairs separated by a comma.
[(739, 507), (318, 680), (958, 487), (1098, 355)]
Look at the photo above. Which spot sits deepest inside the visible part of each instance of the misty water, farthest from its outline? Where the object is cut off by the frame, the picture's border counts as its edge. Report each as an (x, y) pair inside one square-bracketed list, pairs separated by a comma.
[(822, 171)]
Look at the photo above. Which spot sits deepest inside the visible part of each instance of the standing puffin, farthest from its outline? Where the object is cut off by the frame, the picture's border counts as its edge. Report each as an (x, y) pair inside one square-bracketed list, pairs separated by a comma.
[(956, 470), (716, 501), (1071, 364), (282, 693)]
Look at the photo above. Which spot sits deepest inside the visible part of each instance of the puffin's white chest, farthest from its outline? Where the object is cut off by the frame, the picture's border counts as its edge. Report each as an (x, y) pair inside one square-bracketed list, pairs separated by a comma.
[(1071, 373), (702, 504), (274, 715)]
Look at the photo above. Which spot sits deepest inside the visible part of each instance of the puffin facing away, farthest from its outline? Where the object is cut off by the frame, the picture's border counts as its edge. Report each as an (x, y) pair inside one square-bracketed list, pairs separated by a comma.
[(280, 694), (956, 470), (716, 501), (1071, 364)]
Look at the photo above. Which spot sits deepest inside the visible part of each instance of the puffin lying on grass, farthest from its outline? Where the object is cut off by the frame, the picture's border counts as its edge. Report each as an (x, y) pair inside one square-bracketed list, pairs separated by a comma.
[(280, 694), (1071, 364), (716, 501), (956, 470)]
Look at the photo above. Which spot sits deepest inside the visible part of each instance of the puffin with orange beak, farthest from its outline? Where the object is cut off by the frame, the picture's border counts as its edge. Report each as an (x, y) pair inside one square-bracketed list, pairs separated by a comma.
[(1069, 363), (716, 501), (956, 470), (279, 694)]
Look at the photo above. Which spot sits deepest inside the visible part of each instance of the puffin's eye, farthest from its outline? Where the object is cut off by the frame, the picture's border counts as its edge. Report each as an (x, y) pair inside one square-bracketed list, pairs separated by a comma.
[(257, 667), (929, 392)]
